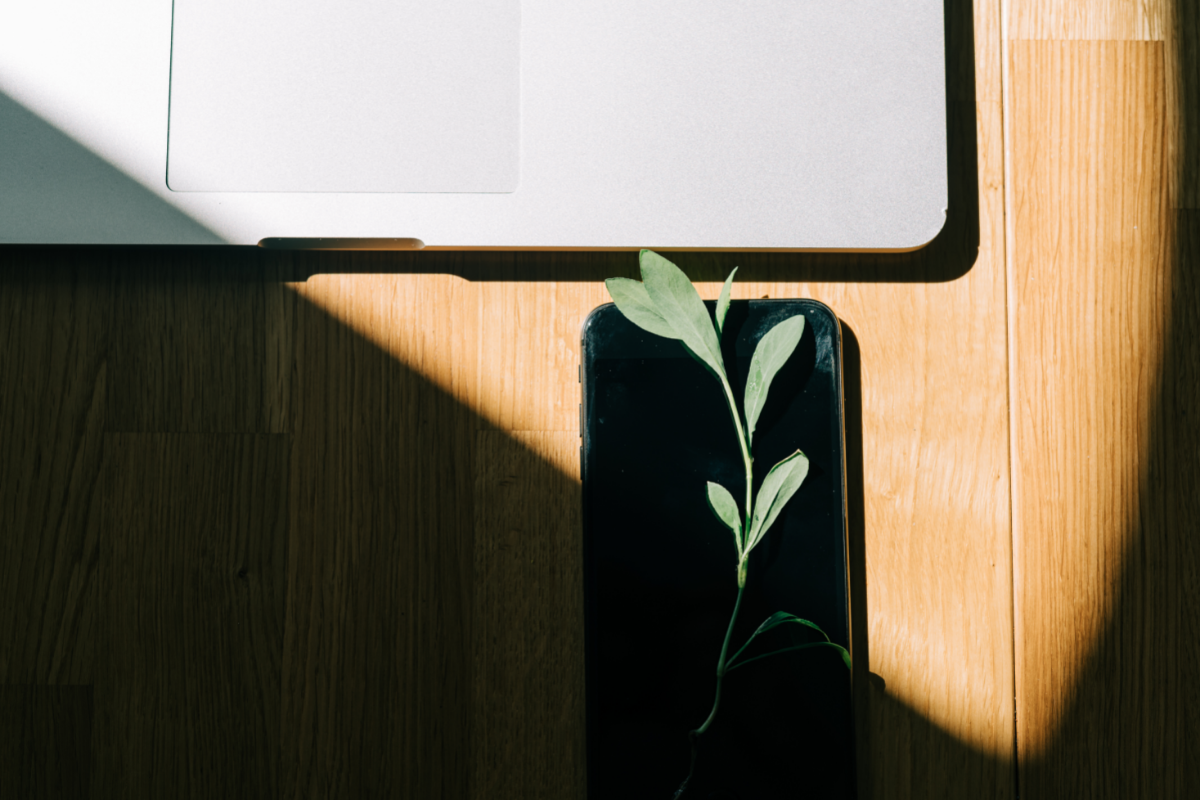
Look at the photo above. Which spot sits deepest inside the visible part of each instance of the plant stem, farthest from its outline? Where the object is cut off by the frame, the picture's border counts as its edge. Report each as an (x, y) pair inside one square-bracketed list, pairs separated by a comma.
[(747, 461), (721, 662)]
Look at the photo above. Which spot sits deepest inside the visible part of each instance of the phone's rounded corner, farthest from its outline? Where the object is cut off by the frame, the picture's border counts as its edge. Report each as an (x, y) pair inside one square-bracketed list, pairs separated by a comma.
[(825, 309), (591, 318)]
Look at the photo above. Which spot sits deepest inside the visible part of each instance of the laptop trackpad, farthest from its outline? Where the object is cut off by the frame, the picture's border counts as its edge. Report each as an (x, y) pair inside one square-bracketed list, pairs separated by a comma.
[(344, 96)]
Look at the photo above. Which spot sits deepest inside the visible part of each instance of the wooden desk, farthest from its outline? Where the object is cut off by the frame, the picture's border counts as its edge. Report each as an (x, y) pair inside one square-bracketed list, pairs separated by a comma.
[(262, 535)]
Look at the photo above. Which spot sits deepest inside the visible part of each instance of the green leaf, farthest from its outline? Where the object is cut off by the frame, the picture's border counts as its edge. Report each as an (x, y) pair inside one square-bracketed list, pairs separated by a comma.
[(777, 488), (841, 651), (723, 506), (679, 304), (772, 353), (774, 621), (845, 655), (723, 303), (782, 618), (634, 302)]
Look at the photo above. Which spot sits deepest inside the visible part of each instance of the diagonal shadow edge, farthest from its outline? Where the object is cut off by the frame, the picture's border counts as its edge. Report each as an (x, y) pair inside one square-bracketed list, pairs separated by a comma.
[(894, 732), (55, 189), (352, 730)]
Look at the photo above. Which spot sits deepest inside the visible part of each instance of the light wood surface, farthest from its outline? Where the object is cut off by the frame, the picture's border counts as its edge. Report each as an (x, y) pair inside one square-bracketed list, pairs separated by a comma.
[(1089, 325), (1105, 370), (377, 645), (306, 525), (1060, 20)]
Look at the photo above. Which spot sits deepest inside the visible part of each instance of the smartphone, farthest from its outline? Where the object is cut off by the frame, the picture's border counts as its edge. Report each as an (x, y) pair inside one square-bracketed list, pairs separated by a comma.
[(660, 570)]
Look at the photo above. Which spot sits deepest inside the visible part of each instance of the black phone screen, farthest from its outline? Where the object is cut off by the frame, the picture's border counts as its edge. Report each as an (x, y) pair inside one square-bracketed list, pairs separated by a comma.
[(660, 570)]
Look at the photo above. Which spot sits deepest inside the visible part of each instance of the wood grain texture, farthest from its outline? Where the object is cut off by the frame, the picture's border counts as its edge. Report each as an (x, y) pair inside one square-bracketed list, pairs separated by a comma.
[(935, 438), (1179, 471), (422, 408), (529, 350), (1183, 105), (973, 51), (1104, 369), (205, 347), (935, 513), (430, 322), (45, 742), (529, 680), (1140, 20), (53, 345), (188, 677), (377, 655)]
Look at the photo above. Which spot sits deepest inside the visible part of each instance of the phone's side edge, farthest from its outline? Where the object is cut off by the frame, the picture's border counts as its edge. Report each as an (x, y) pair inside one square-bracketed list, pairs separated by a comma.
[(586, 355), (857, 669), (840, 412)]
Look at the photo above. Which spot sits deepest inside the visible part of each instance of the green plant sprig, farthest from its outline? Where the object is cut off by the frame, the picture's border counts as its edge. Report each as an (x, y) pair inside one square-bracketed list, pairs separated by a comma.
[(665, 303)]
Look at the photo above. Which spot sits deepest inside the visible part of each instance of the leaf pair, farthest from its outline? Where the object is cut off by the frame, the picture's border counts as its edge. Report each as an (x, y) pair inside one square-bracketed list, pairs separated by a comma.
[(777, 489), (665, 303), (783, 618)]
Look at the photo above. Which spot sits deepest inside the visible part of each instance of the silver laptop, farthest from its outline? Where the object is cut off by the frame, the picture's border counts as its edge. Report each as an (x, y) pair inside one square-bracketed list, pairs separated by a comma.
[(511, 124)]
